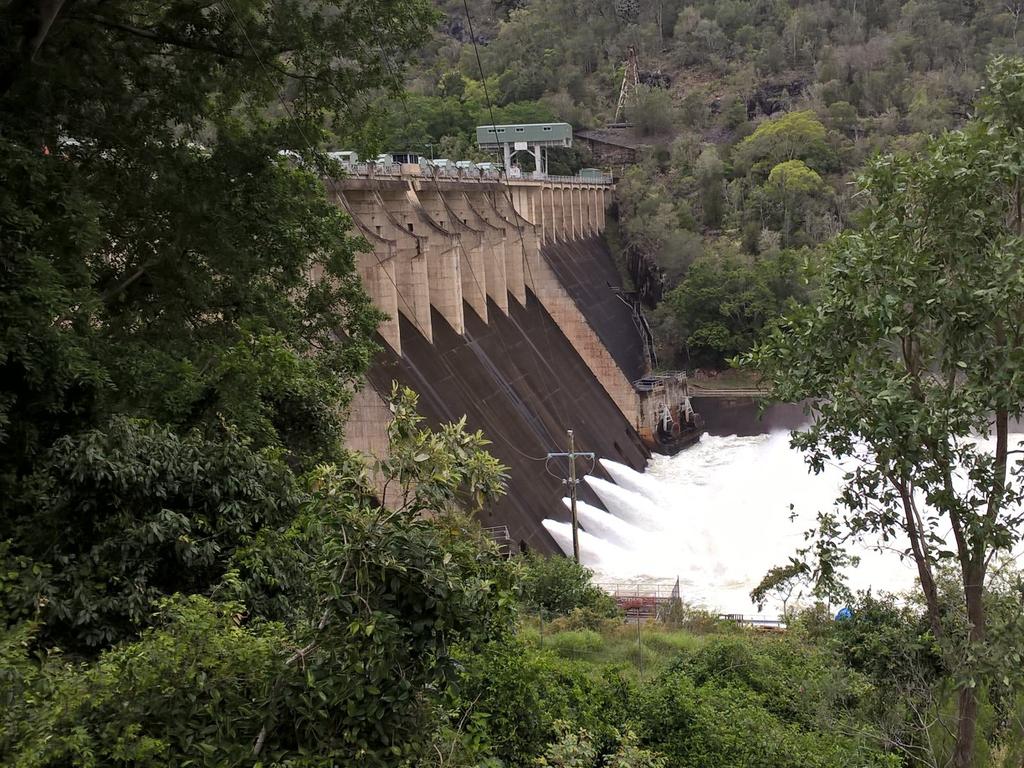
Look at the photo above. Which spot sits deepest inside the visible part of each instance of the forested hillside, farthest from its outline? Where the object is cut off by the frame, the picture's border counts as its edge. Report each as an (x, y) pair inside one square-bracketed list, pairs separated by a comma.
[(756, 116)]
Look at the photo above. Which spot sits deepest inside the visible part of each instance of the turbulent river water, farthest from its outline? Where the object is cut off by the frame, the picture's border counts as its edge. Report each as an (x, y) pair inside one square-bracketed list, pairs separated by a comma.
[(717, 516)]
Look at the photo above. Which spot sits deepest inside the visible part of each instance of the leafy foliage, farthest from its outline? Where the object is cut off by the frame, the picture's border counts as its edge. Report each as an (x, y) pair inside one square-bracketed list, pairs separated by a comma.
[(791, 136), (376, 600), (576, 749), (127, 515), (780, 580), (558, 585), (912, 353), (523, 695), (734, 704), (722, 305), (183, 321)]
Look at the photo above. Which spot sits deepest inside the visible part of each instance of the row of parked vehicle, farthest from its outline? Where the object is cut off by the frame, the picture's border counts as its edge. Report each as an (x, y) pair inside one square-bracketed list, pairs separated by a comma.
[(349, 157), (407, 163)]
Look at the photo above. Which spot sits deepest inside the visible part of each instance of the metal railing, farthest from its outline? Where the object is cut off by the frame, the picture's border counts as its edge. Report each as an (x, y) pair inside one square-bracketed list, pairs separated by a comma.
[(500, 536), (645, 600), (698, 389), (413, 170), (602, 180)]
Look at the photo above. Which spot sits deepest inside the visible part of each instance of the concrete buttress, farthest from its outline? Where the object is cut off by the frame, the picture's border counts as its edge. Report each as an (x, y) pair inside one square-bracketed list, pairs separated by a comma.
[(443, 209), (377, 271), (441, 249), (495, 239)]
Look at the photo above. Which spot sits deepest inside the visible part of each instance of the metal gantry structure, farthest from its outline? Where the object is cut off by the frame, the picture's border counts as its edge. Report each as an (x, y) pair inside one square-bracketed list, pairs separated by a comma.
[(535, 138), (630, 81)]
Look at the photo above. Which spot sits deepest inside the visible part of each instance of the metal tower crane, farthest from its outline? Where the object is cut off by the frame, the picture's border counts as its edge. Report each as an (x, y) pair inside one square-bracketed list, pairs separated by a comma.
[(630, 81)]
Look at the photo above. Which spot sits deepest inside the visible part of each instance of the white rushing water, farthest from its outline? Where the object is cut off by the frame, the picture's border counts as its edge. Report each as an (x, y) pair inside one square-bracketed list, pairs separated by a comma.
[(718, 516)]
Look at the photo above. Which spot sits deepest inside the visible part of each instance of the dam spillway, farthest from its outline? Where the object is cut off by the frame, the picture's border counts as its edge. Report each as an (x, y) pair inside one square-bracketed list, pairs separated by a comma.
[(518, 380), (503, 306)]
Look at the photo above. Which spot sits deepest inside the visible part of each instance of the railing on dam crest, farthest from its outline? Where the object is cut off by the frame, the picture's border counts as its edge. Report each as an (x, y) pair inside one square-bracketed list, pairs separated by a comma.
[(414, 170)]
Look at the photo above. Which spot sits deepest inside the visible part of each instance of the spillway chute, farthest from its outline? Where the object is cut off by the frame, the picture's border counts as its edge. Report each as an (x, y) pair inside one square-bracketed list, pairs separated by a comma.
[(607, 526), (595, 553), (633, 507), (631, 480)]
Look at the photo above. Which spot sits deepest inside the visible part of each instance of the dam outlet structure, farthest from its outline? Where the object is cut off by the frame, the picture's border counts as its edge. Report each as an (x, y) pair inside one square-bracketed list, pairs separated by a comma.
[(504, 305)]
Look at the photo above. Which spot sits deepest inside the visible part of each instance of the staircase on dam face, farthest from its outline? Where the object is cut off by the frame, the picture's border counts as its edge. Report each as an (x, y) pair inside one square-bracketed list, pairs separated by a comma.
[(501, 309)]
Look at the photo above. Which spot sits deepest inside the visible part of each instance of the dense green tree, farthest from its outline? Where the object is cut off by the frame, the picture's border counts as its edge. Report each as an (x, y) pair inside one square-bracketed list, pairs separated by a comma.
[(182, 319), (373, 604), (709, 172), (124, 515), (790, 196), (791, 136), (559, 585), (911, 353), (719, 309), (651, 110)]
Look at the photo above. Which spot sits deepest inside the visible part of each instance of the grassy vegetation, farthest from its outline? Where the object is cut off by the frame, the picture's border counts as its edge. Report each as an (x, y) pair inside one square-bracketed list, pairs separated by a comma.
[(637, 653)]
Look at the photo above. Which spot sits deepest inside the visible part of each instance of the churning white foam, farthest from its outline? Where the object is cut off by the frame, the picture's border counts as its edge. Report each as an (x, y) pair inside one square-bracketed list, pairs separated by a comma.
[(717, 515)]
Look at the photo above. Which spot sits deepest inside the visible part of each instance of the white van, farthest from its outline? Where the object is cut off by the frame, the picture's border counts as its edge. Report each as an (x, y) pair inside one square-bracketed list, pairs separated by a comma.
[(346, 156)]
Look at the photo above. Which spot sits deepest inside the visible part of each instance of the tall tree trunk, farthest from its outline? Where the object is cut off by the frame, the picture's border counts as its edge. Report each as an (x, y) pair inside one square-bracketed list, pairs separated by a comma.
[(967, 706), (966, 728)]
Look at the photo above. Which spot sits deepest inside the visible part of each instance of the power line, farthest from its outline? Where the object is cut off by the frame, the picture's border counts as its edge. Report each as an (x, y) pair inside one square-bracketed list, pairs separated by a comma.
[(277, 92), (311, 147), (508, 187), (559, 403)]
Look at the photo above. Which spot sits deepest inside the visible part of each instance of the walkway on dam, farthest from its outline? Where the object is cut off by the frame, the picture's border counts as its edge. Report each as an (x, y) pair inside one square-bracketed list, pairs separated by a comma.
[(699, 390), (454, 173)]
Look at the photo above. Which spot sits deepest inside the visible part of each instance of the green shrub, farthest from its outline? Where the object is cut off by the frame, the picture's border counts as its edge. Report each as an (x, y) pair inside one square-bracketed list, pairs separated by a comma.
[(575, 644), (586, 618), (558, 585), (754, 701), (670, 642), (729, 726), (520, 693), (575, 748)]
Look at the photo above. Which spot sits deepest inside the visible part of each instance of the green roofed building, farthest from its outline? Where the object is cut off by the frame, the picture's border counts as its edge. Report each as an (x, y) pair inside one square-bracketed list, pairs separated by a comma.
[(535, 138)]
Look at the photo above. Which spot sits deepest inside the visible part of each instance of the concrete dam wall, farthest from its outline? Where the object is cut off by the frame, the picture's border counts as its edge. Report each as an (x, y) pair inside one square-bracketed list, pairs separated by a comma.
[(510, 322)]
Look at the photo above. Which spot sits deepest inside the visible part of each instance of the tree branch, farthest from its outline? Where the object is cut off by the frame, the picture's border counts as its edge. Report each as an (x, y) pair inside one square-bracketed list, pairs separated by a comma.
[(924, 569), (161, 38)]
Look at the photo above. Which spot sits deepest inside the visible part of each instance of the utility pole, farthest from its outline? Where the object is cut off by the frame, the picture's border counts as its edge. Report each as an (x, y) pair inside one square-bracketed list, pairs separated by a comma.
[(572, 482), (572, 498)]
